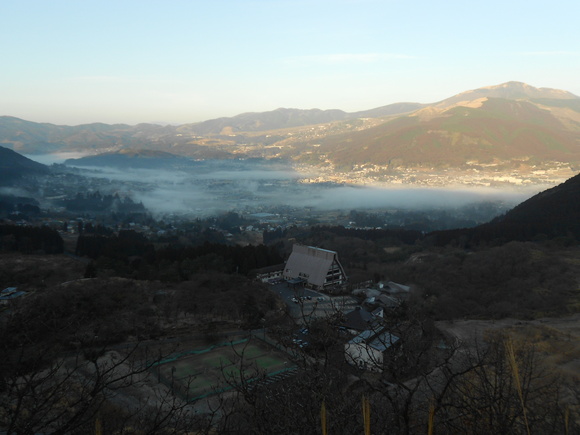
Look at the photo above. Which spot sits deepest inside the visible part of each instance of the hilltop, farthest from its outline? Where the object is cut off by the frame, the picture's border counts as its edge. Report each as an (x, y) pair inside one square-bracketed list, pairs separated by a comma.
[(471, 133), (510, 91)]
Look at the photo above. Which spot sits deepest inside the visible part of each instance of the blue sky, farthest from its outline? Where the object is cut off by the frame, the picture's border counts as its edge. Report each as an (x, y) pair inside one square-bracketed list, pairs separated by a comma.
[(82, 61)]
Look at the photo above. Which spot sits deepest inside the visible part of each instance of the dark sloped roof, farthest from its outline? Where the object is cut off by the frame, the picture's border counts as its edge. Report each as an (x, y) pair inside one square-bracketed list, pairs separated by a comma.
[(268, 269), (358, 319), (380, 340)]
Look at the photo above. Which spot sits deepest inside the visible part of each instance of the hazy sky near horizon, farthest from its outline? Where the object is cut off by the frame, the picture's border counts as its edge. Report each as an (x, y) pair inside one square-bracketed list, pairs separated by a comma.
[(180, 61)]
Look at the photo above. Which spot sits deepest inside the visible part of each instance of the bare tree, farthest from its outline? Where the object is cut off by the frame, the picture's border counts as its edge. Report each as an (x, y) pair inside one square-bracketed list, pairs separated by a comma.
[(73, 392), (504, 388)]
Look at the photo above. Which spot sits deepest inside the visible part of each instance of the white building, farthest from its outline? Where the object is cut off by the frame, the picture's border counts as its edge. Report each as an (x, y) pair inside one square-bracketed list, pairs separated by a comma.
[(267, 274), (318, 268)]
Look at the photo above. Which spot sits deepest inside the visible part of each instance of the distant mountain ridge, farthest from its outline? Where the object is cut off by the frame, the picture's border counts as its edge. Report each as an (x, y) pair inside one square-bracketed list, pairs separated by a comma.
[(31, 137), (288, 118), (510, 91), (511, 125)]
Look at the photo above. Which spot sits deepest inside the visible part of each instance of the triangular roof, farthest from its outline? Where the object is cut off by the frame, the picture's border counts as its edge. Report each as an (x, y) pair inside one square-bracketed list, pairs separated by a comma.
[(310, 263)]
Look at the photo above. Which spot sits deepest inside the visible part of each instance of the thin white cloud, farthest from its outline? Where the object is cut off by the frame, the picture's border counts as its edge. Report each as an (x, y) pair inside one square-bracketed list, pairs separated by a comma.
[(550, 53), (121, 79), (101, 79), (342, 58)]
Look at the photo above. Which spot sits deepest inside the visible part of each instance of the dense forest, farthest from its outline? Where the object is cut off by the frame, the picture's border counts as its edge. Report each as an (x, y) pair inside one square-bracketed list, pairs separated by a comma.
[(130, 254), (30, 240), (18, 208)]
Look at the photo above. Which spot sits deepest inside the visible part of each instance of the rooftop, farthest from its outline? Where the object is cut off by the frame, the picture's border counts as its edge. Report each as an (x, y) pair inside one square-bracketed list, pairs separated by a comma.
[(380, 340)]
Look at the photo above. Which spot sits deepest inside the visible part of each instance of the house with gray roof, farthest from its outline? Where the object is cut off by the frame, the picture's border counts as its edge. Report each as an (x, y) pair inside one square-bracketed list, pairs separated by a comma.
[(369, 349), (395, 290), (9, 294), (360, 319), (317, 268)]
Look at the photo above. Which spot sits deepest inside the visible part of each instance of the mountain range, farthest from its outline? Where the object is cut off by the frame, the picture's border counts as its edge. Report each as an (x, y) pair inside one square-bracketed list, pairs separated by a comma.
[(512, 126), (477, 130)]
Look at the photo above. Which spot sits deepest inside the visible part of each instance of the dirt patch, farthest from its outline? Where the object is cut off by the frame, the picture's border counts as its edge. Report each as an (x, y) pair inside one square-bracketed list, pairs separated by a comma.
[(31, 272), (556, 338)]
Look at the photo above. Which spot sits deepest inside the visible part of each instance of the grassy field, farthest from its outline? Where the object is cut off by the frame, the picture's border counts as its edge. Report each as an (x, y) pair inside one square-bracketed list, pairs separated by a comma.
[(201, 372)]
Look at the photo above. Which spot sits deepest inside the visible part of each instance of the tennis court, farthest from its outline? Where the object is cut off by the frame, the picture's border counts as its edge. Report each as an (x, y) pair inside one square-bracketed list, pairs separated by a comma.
[(198, 373)]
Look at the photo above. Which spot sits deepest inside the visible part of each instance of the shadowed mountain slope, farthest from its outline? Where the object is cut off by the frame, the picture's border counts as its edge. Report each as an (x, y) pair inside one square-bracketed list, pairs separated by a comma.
[(552, 213), (14, 166)]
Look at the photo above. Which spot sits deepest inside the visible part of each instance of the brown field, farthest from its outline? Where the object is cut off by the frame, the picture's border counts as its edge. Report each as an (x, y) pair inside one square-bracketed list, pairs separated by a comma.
[(556, 338)]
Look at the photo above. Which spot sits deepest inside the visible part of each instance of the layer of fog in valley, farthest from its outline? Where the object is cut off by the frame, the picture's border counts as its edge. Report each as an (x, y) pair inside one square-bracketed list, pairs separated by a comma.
[(212, 187)]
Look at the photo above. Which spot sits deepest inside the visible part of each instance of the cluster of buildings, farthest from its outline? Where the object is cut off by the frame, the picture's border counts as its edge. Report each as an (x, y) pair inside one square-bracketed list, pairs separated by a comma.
[(497, 174), (320, 269)]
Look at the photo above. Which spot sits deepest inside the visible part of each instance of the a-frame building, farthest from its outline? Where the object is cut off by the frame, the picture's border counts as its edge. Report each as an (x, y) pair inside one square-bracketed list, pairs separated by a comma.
[(318, 268)]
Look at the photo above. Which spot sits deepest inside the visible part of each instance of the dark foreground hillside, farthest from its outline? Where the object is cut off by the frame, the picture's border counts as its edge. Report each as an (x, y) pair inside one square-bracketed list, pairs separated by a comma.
[(82, 349), (553, 213)]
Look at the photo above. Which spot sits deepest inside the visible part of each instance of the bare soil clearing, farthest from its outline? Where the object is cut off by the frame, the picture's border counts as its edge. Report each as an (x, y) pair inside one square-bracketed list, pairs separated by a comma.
[(557, 338)]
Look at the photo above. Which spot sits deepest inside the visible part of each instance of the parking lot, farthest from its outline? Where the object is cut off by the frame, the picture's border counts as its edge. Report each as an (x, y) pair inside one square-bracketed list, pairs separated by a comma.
[(305, 303)]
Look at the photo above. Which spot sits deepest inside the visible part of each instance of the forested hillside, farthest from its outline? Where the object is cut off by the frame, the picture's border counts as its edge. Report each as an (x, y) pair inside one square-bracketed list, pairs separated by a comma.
[(553, 213)]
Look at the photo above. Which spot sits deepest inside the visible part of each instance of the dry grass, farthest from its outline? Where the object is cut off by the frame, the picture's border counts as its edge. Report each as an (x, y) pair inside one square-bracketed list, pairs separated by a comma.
[(366, 410), (561, 349), (323, 418), (32, 272), (511, 355)]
